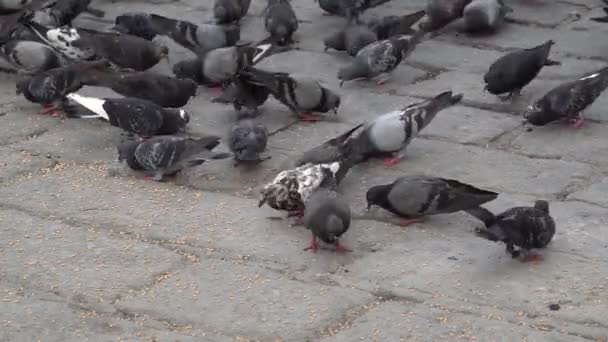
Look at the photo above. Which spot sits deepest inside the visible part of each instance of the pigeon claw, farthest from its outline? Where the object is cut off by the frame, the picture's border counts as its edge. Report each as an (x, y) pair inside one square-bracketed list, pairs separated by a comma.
[(577, 122), (48, 110), (406, 222), (532, 257), (341, 248), (313, 245), (309, 117), (388, 162)]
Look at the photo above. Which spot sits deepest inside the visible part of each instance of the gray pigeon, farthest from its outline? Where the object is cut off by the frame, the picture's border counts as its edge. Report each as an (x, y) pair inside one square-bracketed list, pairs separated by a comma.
[(390, 133), (243, 94), (63, 39), (568, 101), (327, 215), (524, 227), (380, 57), (351, 39), (167, 155), (29, 57), (9, 6), (302, 95), (351, 9), (414, 197), (484, 15), (63, 12), (330, 151), (442, 12), (222, 64), (393, 25), (280, 22), (511, 72), (247, 140), (227, 11), (189, 68)]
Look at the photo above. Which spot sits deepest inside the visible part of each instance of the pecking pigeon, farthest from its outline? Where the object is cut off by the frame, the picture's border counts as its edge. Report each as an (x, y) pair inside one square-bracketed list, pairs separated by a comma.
[(243, 94), (568, 101), (413, 197), (524, 227), (167, 155), (393, 25), (390, 133), (330, 151), (512, 72), (351, 39), (135, 23), (442, 12), (484, 15), (280, 21), (63, 12), (190, 69), (65, 40), (351, 9), (138, 116), (29, 57), (227, 11), (302, 95), (327, 215), (380, 58), (247, 140), (220, 65)]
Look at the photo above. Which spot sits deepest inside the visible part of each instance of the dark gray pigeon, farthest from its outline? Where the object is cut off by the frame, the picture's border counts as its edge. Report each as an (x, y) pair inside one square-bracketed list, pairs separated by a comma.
[(327, 215), (189, 68), (513, 71), (524, 227), (163, 90), (63, 12), (138, 116), (568, 101), (390, 133), (351, 39), (330, 151), (247, 140), (484, 15), (280, 22), (302, 95), (244, 95), (227, 11), (442, 12), (29, 57), (167, 155), (393, 25), (380, 57), (414, 197), (351, 9), (136, 23)]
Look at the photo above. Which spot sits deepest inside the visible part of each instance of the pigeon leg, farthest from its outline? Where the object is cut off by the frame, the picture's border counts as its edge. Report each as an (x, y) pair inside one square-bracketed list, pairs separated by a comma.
[(47, 109), (532, 257), (313, 245), (309, 117), (577, 122), (388, 162), (298, 214), (406, 222), (382, 80), (341, 248)]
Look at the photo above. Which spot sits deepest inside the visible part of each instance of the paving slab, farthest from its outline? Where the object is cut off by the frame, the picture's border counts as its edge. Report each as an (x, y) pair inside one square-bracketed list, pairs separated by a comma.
[(595, 193), (15, 163)]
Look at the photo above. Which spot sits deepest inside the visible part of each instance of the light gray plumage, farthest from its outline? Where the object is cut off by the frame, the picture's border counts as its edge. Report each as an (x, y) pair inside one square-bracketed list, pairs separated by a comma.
[(65, 40), (484, 15), (280, 21), (222, 64), (393, 25), (390, 133), (442, 12), (413, 197), (351, 39), (335, 149), (247, 140), (13, 5), (327, 215), (30, 57), (227, 11)]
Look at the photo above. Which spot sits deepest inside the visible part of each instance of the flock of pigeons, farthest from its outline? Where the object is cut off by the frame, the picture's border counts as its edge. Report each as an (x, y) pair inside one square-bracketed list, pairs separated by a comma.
[(55, 60)]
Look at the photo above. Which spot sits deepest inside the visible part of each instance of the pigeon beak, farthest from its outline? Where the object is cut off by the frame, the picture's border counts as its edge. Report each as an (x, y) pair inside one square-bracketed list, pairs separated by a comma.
[(262, 201), (336, 111), (341, 83), (485, 89)]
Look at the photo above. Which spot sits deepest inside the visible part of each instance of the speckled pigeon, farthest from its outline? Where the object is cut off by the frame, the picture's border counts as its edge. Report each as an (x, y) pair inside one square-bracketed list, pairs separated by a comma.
[(414, 197), (351, 39), (227, 11), (335, 149), (247, 140), (280, 21), (327, 215), (29, 57), (189, 68), (245, 95), (442, 12), (484, 15), (393, 25)]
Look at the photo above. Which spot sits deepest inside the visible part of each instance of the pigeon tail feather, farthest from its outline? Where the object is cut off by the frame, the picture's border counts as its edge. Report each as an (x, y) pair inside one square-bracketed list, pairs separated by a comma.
[(93, 104)]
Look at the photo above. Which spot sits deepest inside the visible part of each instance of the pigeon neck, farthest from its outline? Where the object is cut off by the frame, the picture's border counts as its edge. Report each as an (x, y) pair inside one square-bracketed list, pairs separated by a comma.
[(322, 101)]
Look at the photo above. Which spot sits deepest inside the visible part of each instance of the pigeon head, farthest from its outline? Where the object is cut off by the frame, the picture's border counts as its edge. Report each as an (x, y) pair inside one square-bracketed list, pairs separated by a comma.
[(331, 101), (247, 154), (189, 69), (162, 52), (22, 86), (233, 34), (174, 120), (220, 12), (542, 205), (191, 87), (184, 116), (537, 115), (335, 41), (377, 195), (137, 24), (126, 152)]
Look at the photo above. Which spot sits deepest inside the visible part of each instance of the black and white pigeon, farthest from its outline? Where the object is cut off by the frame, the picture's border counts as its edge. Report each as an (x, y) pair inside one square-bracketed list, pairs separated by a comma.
[(414, 197), (167, 155), (513, 71), (393, 25), (29, 57), (227, 11), (380, 57), (244, 95), (163, 90), (390, 133), (335, 149), (303, 95), (280, 22), (567, 101), (49, 88), (484, 15), (220, 65), (327, 215), (247, 141), (351, 39), (138, 116), (65, 40), (440, 13), (189, 69), (523, 227)]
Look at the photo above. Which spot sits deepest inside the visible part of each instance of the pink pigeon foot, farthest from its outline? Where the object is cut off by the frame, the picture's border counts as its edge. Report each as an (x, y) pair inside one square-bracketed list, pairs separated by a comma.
[(407, 222), (148, 178), (341, 248), (388, 162), (577, 122), (47, 109), (532, 257), (381, 82), (313, 245), (309, 117)]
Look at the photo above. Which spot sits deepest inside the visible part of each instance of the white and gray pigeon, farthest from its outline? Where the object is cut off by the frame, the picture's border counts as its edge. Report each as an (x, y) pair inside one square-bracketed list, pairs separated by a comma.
[(167, 155), (414, 197), (220, 65), (523, 227), (351, 39), (327, 215), (380, 57), (335, 149), (227, 11), (303, 95), (484, 15), (64, 40), (134, 115), (280, 22), (247, 140), (567, 101), (440, 13), (390, 133), (29, 57)]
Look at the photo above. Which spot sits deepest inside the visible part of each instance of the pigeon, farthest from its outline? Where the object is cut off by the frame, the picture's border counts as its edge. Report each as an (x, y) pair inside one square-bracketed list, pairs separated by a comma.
[(222, 64), (280, 22), (390, 133), (49, 88), (351, 39), (189, 68), (167, 155), (379, 58), (568, 101), (135, 23), (524, 227), (348, 8), (243, 94), (247, 140), (138, 116), (327, 215), (484, 15), (227, 11), (393, 25), (302, 95), (163, 90), (442, 12), (603, 19), (63, 39), (63, 12), (512, 72), (29, 57), (10, 6), (330, 151), (413, 197)]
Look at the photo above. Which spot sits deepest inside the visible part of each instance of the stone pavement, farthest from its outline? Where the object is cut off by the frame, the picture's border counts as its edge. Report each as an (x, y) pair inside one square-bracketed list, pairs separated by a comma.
[(91, 252)]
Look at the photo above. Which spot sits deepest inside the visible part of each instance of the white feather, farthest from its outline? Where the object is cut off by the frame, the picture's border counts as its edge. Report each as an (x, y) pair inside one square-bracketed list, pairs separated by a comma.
[(590, 76), (264, 48), (93, 104)]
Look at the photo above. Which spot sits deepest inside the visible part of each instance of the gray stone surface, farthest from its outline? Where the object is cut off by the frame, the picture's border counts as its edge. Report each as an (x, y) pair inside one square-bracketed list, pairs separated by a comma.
[(90, 251)]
